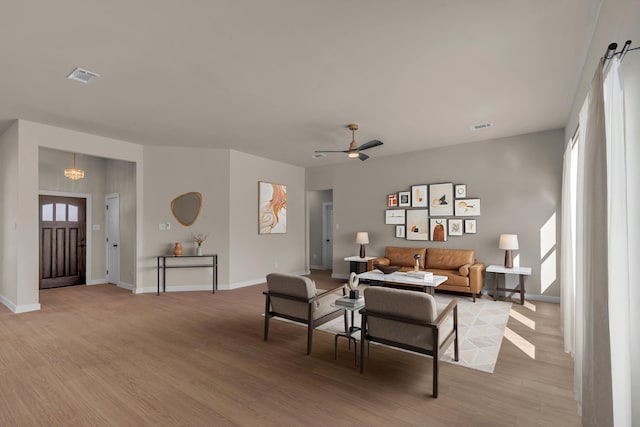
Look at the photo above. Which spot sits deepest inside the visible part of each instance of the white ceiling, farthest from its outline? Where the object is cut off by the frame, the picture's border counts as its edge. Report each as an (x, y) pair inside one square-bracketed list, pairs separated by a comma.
[(281, 78)]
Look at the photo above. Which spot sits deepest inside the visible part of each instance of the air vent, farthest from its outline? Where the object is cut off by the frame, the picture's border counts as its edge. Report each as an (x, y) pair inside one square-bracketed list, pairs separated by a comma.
[(482, 126), (318, 155), (83, 76)]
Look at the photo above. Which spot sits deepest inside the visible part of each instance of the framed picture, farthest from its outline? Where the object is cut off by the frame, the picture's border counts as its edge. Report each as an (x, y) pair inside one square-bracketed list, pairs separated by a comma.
[(441, 199), (461, 191), (272, 208), (392, 200), (419, 196), (467, 207), (455, 227), (418, 224), (438, 229), (394, 216), (404, 198), (470, 226), (400, 231)]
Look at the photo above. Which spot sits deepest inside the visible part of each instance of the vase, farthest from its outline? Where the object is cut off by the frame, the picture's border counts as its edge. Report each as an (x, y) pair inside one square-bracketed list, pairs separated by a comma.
[(177, 250), (199, 251)]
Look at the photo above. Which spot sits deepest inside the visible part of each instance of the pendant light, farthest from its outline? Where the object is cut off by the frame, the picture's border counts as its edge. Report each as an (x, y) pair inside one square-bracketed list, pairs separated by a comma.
[(74, 173)]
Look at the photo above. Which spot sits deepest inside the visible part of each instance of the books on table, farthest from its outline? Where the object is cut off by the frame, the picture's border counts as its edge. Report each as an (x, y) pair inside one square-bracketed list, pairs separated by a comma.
[(348, 302), (425, 276)]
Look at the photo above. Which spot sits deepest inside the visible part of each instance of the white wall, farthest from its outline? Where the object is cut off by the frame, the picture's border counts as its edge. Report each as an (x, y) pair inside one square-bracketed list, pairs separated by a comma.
[(252, 256), (518, 180), (8, 217)]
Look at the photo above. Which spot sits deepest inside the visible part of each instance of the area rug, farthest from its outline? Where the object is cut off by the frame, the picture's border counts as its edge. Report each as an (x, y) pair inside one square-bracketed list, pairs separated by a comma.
[(481, 327)]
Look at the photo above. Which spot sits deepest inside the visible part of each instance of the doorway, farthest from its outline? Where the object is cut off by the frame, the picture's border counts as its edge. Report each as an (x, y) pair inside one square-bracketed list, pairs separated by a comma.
[(62, 241), (327, 235), (112, 202)]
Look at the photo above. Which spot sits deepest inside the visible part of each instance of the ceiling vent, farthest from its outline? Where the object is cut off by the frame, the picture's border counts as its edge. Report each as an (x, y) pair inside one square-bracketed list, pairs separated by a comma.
[(318, 155), (83, 76), (482, 126)]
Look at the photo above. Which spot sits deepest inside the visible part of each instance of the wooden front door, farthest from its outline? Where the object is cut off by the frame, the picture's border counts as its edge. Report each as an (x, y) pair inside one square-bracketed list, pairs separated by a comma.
[(62, 241)]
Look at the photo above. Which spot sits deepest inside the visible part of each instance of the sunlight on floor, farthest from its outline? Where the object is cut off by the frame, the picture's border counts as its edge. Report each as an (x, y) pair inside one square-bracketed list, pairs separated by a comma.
[(529, 306), (523, 319), (525, 346)]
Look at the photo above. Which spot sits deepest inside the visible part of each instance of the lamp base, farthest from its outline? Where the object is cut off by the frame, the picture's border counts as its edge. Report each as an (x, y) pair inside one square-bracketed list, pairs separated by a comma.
[(362, 251), (508, 259)]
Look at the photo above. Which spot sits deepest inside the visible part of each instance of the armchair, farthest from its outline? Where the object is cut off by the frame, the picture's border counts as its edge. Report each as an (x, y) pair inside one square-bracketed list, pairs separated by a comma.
[(296, 298), (409, 320)]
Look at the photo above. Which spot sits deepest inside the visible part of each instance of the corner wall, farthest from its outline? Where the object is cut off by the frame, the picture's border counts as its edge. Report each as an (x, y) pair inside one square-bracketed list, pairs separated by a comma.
[(518, 180)]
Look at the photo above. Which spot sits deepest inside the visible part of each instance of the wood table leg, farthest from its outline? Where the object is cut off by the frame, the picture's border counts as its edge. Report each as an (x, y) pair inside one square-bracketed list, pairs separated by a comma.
[(495, 286), (522, 289)]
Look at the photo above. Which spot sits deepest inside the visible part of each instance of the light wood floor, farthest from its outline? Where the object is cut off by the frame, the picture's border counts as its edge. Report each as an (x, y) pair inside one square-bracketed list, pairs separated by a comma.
[(99, 355)]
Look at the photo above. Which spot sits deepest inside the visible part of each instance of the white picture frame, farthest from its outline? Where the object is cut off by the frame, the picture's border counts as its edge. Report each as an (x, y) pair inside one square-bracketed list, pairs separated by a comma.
[(467, 207), (438, 229), (455, 227), (417, 224), (404, 198), (470, 226), (400, 231), (394, 216), (419, 196), (441, 199), (461, 191)]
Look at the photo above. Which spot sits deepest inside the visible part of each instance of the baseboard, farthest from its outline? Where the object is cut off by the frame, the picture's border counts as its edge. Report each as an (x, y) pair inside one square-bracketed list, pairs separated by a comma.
[(340, 276), (532, 297), (127, 286), (317, 267), (19, 308), (97, 282), (253, 282)]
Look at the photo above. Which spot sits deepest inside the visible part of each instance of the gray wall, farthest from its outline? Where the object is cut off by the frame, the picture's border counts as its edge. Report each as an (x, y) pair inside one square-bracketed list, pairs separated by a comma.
[(315, 201), (518, 180), (9, 216)]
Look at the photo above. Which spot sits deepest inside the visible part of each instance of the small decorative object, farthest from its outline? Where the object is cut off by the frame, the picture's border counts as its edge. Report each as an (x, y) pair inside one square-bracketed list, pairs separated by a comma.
[(419, 196), (272, 208), (441, 197), (418, 224), (404, 198), (438, 229), (400, 231), (470, 226), (392, 200), (467, 207), (199, 239), (508, 242), (455, 227), (353, 281), (416, 267), (387, 269), (394, 216), (461, 191), (362, 238), (177, 249)]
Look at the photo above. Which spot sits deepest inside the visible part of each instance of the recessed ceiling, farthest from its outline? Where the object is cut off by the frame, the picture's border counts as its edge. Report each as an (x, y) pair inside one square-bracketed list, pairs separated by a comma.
[(282, 79)]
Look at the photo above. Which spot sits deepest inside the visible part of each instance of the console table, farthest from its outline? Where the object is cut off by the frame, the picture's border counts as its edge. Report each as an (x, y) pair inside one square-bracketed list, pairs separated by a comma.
[(202, 263), (520, 271)]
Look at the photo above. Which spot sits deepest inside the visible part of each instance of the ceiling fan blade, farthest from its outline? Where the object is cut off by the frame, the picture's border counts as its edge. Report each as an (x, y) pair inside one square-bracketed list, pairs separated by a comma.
[(329, 151), (362, 156), (370, 144)]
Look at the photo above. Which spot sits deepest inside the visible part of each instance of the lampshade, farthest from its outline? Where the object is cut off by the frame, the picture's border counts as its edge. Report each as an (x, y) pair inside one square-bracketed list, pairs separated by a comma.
[(362, 238), (508, 241)]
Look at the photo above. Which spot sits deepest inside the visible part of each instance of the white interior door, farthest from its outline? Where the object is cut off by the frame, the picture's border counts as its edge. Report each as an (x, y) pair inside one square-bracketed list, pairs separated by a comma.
[(112, 233), (327, 235)]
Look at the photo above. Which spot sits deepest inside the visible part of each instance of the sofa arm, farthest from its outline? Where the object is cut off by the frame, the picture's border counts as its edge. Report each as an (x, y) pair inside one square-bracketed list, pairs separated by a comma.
[(380, 260), (476, 277)]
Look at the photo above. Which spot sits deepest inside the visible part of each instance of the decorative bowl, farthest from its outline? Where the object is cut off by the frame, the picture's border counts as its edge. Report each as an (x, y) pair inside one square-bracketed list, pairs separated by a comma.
[(387, 269)]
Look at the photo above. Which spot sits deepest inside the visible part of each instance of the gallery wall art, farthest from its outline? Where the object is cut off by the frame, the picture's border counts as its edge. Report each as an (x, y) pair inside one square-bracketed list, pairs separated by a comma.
[(418, 224), (272, 208), (441, 199)]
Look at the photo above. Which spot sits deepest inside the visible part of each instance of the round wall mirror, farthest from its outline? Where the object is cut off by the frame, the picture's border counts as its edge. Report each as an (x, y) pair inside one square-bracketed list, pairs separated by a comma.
[(186, 207)]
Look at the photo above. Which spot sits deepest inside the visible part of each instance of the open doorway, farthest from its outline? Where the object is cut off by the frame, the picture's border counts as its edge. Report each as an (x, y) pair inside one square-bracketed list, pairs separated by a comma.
[(321, 229)]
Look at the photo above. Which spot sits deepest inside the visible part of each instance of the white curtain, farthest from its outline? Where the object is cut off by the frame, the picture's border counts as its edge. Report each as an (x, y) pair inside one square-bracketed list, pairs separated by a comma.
[(567, 291), (592, 351), (618, 247)]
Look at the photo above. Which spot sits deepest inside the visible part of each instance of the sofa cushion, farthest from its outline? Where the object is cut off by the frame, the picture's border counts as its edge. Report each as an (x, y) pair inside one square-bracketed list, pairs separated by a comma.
[(464, 270), (404, 256), (449, 259), (453, 278)]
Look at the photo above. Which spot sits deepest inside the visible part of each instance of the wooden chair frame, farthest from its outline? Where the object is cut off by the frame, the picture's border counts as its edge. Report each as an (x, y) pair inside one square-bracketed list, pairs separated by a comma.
[(309, 321), (435, 352)]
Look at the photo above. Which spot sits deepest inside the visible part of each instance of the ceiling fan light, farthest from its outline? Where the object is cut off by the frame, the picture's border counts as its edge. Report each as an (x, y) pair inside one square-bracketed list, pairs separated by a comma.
[(353, 154)]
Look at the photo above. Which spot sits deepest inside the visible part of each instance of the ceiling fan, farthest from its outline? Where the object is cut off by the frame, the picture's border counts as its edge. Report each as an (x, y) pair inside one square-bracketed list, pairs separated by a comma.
[(355, 151)]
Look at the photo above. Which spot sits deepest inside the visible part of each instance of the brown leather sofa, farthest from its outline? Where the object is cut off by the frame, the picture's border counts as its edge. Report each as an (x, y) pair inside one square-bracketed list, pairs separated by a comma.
[(463, 273)]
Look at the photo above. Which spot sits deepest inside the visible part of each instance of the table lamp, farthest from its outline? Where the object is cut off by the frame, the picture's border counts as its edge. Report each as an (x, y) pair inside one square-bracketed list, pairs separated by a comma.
[(362, 238), (508, 242)]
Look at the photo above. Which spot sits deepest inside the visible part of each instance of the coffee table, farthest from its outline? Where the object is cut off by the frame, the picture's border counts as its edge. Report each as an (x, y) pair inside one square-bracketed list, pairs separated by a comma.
[(401, 280)]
